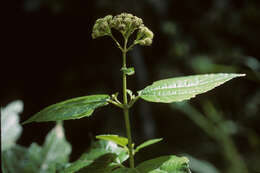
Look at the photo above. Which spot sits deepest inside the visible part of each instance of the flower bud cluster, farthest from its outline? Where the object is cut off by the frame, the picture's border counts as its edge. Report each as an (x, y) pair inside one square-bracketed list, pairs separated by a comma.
[(101, 27), (144, 36), (126, 24)]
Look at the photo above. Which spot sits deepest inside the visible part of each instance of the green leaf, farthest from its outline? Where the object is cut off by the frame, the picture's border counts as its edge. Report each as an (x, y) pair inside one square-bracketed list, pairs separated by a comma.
[(165, 164), (101, 164), (201, 166), (129, 71), (55, 151), (125, 170), (70, 109), (183, 88), (122, 141), (98, 149), (37, 159), (10, 127), (147, 143), (15, 160)]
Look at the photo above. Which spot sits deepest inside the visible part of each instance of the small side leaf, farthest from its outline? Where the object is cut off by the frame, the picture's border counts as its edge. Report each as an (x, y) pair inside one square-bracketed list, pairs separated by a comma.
[(165, 164), (183, 88), (70, 109), (147, 143), (129, 71), (122, 141)]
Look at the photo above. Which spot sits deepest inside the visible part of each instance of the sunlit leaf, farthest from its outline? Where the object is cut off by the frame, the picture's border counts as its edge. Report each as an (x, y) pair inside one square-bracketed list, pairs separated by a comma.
[(165, 164), (70, 109), (183, 88), (122, 141), (147, 143)]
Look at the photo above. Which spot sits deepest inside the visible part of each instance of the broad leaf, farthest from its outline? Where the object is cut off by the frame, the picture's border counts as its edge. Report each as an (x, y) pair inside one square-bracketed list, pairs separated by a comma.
[(55, 151), (10, 127), (98, 149), (70, 109), (36, 159), (147, 143), (122, 141), (103, 164), (15, 160), (183, 88), (165, 164)]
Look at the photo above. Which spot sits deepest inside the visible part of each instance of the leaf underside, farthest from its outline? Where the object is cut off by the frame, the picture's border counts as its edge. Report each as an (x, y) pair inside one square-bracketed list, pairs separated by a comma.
[(70, 109), (183, 88)]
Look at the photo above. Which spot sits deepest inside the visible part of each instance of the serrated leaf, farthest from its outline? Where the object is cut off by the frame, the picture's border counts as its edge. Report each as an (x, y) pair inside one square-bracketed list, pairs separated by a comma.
[(183, 88), (10, 127), (97, 150), (70, 109), (165, 164), (147, 143), (122, 141)]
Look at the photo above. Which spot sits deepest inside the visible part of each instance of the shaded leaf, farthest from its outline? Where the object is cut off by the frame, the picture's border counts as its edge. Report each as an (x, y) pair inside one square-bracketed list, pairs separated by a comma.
[(165, 164), (122, 141), (102, 164), (147, 143), (70, 109), (201, 166), (125, 170), (10, 127), (97, 150), (183, 88)]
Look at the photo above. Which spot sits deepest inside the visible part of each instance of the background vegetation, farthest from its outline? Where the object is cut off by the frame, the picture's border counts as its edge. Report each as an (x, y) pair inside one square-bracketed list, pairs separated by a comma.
[(51, 57)]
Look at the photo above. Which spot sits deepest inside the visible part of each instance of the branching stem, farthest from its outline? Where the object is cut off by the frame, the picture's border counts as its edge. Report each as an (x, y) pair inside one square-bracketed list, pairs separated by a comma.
[(126, 109)]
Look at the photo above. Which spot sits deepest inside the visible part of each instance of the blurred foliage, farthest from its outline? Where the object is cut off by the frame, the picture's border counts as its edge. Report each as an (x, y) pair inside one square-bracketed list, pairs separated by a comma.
[(55, 59)]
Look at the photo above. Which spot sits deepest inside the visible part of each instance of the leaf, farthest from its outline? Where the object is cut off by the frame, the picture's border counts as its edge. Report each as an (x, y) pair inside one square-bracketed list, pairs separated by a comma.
[(165, 164), (15, 160), (100, 165), (97, 150), (55, 151), (122, 141), (183, 88), (201, 166), (147, 143), (129, 71), (10, 127), (70, 109), (125, 170)]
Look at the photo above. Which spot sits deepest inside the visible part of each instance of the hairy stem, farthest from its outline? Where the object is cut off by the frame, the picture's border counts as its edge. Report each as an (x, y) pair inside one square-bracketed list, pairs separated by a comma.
[(126, 110)]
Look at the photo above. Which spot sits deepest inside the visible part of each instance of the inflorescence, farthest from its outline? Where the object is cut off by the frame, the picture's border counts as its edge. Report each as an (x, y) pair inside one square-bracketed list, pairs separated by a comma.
[(126, 24)]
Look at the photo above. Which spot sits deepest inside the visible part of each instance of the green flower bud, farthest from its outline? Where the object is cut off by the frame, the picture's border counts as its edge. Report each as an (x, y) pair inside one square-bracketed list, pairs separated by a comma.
[(101, 27), (144, 36), (126, 24)]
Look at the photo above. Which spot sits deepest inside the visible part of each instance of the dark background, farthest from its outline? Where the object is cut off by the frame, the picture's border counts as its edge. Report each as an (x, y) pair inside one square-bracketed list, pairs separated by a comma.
[(52, 57)]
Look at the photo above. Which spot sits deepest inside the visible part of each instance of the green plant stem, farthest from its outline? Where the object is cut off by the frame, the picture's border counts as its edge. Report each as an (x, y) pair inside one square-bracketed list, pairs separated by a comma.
[(126, 110)]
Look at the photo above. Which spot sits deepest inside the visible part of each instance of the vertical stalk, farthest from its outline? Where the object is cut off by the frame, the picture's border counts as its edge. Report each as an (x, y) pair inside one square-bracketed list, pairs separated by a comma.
[(126, 109)]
